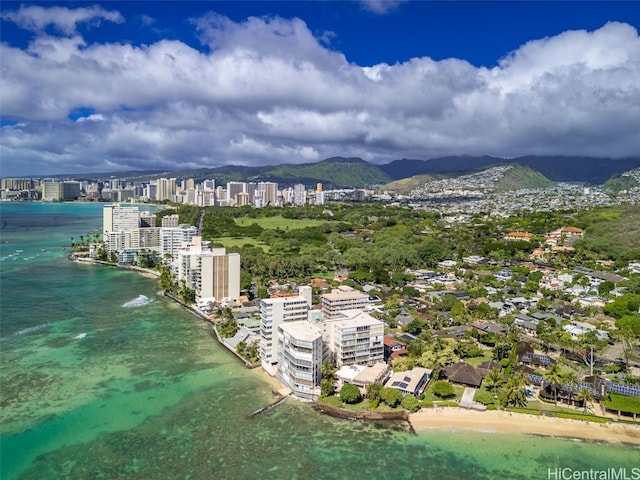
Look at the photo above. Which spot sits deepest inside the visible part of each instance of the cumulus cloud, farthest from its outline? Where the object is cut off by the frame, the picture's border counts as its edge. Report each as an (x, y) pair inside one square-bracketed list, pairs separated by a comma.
[(266, 91), (36, 18)]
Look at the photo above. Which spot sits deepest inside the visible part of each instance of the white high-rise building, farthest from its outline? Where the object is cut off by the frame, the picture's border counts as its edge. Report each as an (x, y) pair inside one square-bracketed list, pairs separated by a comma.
[(170, 221), (146, 238), (356, 338), (211, 272), (299, 195), (343, 298), (274, 312), (166, 188), (116, 218), (174, 238), (52, 191), (269, 193), (300, 354)]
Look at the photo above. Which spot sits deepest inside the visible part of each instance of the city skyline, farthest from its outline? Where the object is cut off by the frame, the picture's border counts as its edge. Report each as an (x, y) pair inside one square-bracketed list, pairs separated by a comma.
[(98, 87)]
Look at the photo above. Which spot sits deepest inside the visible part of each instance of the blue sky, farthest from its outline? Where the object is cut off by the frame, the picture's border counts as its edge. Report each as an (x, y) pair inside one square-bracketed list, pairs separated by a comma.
[(90, 86)]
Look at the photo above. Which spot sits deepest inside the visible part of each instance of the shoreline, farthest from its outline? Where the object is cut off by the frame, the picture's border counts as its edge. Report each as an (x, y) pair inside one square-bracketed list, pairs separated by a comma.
[(454, 418), (495, 421)]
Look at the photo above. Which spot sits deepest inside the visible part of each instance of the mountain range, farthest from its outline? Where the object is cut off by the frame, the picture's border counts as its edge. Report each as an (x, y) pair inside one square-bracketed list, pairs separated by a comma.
[(353, 172)]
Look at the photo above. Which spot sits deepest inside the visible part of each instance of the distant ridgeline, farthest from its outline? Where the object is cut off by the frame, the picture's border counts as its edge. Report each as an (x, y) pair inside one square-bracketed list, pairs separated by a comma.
[(340, 172)]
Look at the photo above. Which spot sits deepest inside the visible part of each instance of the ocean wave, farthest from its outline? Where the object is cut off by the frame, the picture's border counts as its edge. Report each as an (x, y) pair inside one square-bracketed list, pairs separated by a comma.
[(139, 301), (26, 331)]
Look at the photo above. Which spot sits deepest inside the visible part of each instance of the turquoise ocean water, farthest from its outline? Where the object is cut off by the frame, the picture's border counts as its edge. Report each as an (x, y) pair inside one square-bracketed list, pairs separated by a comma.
[(103, 378)]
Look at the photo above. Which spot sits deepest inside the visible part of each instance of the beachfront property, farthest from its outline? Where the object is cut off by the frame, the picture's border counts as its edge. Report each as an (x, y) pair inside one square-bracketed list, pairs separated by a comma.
[(56, 191), (363, 375), (341, 299), (274, 312), (118, 218), (355, 337), (172, 238), (210, 272), (411, 382), (300, 351)]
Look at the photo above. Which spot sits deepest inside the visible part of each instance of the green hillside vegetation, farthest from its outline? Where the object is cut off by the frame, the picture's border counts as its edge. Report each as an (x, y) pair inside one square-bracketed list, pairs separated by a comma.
[(522, 177), (617, 184), (405, 185), (612, 232), (349, 172)]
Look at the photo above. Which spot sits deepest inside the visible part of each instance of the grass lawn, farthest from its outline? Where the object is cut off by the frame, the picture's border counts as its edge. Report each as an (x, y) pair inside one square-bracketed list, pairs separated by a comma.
[(430, 397), (271, 223), (229, 242), (476, 361)]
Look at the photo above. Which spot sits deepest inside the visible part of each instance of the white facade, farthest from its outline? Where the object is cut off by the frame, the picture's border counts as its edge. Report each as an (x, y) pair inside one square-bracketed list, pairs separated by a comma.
[(356, 338), (268, 191), (166, 188), (211, 272), (274, 312), (343, 298), (116, 218), (174, 238), (52, 191), (300, 354)]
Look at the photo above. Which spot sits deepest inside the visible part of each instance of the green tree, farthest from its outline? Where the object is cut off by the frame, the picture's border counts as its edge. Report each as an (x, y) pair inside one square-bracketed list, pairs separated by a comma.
[(409, 402), (627, 304), (629, 329), (327, 384), (585, 396), (443, 389), (458, 312), (513, 394), (493, 379), (390, 396), (553, 377), (373, 393), (349, 393), (605, 287)]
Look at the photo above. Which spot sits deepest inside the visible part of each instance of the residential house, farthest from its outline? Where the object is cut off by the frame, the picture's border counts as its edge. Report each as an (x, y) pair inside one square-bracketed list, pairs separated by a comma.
[(518, 236), (392, 345), (464, 374), (410, 382)]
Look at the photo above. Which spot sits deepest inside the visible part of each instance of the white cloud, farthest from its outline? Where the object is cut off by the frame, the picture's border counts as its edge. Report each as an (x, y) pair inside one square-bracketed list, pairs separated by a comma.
[(381, 6), (266, 91), (36, 18)]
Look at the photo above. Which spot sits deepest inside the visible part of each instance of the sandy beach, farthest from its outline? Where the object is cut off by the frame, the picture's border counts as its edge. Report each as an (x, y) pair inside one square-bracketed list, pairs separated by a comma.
[(505, 422)]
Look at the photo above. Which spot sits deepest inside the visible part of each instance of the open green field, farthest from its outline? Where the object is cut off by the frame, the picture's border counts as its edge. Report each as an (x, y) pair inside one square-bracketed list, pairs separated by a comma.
[(271, 223), (229, 242)]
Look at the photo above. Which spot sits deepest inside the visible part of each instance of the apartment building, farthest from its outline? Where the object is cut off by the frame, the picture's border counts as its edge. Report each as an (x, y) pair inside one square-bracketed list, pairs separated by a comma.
[(300, 354), (211, 272), (341, 299), (116, 218), (275, 312), (356, 338)]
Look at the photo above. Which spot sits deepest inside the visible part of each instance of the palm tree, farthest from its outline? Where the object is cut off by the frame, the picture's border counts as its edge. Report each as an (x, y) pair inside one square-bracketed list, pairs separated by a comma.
[(585, 396), (553, 378), (571, 380), (513, 392), (493, 379)]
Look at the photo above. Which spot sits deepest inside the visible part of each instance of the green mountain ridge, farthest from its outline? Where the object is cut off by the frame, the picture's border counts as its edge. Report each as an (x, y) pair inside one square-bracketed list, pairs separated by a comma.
[(405, 175), (338, 171)]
